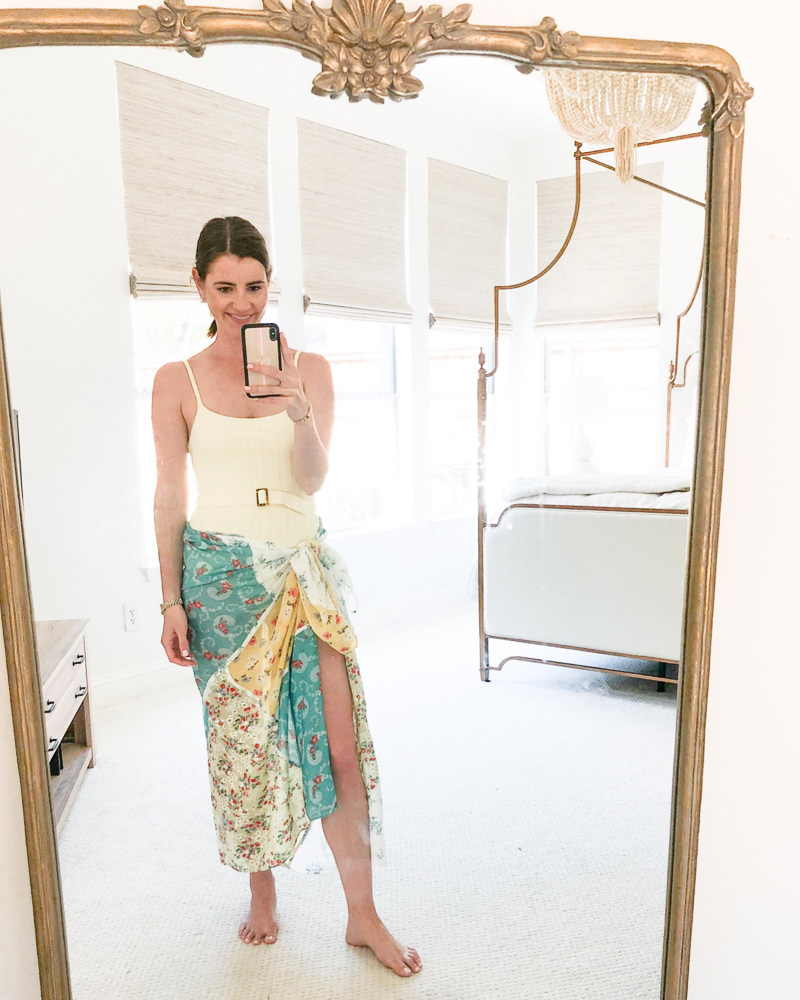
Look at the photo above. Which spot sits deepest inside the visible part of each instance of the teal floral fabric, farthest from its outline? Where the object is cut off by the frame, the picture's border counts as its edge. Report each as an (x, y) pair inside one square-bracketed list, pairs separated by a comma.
[(224, 601), (222, 597), (256, 612), (301, 725)]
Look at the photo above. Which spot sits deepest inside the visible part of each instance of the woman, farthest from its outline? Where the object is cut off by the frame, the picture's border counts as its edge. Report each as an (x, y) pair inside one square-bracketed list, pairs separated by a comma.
[(253, 600)]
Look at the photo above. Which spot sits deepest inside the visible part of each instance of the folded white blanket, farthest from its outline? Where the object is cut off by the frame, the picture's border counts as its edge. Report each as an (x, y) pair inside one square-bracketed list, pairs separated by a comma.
[(587, 483)]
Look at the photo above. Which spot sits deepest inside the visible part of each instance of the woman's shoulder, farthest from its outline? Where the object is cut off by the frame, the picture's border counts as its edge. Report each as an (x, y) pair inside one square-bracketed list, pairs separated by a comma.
[(170, 377), (171, 370), (315, 372), (311, 363)]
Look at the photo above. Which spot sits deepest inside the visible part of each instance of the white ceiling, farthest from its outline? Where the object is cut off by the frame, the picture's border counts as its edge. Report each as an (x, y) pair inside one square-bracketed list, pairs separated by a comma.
[(492, 88)]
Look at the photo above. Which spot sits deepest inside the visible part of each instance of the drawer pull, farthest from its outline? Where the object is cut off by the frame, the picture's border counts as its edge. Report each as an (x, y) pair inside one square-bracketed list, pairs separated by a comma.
[(52, 743), (51, 706), (78, 659), (81, 691)]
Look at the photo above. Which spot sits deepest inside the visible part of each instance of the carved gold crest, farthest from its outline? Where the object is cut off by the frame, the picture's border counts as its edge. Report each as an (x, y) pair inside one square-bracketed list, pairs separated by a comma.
[(367, 48), (370, 49)]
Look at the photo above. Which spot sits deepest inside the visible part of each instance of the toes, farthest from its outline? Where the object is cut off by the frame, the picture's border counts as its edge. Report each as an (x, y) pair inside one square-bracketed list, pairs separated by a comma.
[(401, 965), (412, 959), (251, 936)]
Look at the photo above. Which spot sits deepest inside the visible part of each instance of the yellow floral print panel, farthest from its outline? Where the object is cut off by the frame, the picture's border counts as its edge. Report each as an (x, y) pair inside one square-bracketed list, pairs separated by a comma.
[(262, 661)]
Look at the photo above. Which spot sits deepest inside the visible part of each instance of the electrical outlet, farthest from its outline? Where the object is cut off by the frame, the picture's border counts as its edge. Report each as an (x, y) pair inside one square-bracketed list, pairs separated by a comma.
[(131, 617)]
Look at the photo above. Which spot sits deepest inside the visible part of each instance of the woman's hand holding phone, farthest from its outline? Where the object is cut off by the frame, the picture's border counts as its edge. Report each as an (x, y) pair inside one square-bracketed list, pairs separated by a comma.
[(289, 387)]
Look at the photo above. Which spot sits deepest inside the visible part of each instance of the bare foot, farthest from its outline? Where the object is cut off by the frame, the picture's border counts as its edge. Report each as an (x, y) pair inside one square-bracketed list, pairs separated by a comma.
[(260, 924), (370, 932)]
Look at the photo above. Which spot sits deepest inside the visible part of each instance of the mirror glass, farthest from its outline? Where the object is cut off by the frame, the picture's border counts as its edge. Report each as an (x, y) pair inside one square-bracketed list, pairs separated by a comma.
[(527, 820)]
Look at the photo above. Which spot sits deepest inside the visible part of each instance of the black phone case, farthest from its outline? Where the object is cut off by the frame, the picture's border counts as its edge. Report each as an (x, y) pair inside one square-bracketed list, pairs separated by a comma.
[(274, 334)]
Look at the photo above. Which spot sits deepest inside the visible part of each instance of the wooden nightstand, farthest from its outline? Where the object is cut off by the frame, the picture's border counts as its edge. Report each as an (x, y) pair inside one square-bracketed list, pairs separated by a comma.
[(67, 709)]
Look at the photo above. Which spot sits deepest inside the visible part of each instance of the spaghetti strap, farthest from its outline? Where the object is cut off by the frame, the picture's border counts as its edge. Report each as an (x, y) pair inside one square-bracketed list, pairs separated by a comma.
[(194, 385), (297, 357)]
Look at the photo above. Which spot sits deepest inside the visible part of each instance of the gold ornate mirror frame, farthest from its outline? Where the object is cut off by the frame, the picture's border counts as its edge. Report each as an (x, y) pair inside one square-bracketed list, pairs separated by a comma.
[(369, 49)]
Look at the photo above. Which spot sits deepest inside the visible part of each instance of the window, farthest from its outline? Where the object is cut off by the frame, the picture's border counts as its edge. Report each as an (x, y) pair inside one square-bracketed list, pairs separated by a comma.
[(604, 398), (363, 485)]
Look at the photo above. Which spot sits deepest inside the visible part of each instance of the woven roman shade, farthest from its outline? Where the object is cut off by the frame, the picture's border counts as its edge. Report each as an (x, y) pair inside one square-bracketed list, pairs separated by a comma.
[(352, 220), (188, 155), (611, 271), (467, 244)]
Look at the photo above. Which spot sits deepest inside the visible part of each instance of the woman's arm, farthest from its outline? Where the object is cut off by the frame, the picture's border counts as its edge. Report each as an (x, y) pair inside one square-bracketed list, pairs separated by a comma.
[(312, 436), (171, 503), (312, 427)]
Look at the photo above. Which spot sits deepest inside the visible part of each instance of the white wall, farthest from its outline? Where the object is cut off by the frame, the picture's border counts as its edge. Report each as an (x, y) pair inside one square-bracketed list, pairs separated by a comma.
[(746, 918), (63, 268)]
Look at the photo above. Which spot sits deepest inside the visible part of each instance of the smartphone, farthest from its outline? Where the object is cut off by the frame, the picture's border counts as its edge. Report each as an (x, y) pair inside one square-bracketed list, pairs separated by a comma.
[(261, 343)]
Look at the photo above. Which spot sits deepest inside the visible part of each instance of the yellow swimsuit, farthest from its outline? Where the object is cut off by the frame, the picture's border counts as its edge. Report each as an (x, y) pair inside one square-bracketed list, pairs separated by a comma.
[(234, 458)]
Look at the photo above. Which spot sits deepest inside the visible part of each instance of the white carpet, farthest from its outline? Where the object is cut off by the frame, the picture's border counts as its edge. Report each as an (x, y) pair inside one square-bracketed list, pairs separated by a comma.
[(527, 825)]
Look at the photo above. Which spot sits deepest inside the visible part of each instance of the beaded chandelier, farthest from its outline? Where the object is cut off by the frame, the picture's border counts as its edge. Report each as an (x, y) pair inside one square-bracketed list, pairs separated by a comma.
[(600, 106)]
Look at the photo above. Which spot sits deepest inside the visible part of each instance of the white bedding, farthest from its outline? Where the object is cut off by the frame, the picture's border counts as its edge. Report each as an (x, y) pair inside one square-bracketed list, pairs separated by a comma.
[(660, 490), (583, 484), (649, 501)]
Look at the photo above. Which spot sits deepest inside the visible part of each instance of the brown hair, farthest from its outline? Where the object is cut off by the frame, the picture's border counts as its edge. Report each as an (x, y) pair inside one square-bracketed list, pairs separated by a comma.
[(229, 235)]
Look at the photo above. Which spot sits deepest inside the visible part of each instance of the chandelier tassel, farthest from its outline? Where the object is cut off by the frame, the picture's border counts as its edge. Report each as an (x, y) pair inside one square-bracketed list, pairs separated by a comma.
[(625, 153), (604, 106)]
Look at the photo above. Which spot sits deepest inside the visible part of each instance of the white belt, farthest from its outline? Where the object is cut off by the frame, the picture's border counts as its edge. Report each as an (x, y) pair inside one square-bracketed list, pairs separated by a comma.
[(261, 497)]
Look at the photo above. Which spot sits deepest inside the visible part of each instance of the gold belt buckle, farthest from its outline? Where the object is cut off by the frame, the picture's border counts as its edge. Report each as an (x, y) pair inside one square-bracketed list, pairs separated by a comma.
[(262, 497)]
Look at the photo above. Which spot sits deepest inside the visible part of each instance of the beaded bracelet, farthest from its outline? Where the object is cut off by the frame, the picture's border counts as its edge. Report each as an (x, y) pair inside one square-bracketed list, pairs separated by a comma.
[(302, 420)]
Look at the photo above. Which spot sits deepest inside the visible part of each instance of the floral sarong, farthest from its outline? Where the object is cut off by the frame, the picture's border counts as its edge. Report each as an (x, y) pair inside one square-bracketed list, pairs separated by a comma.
[(255, 611)]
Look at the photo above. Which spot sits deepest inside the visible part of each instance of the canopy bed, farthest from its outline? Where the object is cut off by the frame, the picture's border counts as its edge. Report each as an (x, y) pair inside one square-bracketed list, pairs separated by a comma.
[(592, 563)]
